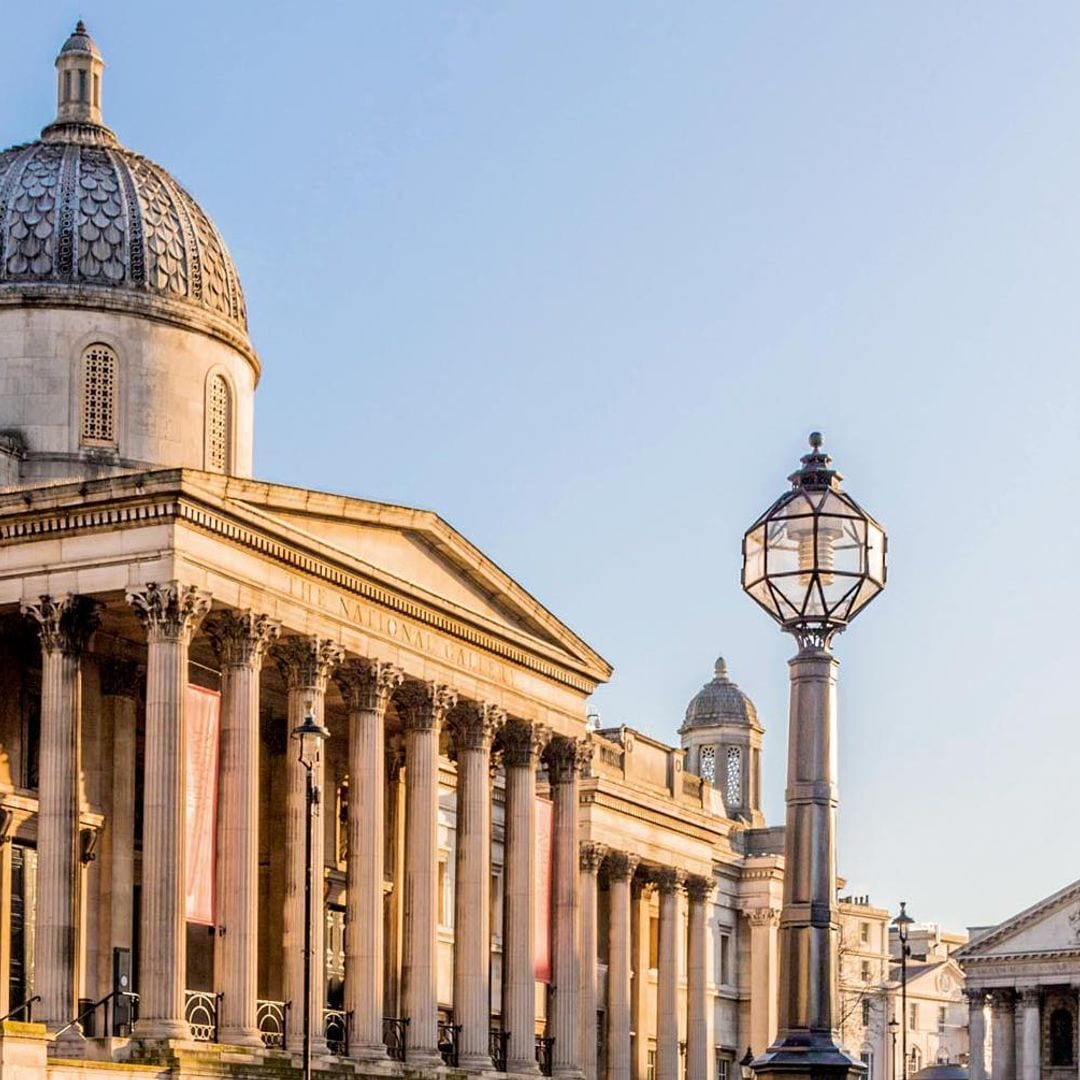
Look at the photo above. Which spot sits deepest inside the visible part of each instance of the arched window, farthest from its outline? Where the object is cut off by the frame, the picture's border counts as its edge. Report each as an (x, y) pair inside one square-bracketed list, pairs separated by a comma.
[(99, 396), (733, 780), (1061, 1037), (707, 764), (218, 425)]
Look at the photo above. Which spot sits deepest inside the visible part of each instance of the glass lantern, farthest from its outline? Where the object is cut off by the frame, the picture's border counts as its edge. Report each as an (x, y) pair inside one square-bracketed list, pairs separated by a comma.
[(815, 558)]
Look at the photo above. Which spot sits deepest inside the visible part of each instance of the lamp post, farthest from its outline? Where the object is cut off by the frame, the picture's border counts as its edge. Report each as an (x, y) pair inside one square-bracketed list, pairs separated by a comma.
[(746, 1069), (893, 1025), (813, 561), (310, 735), (902, 922)]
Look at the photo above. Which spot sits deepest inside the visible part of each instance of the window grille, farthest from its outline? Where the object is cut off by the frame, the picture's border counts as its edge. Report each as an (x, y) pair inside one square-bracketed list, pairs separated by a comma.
[(707, 764), (218, 425), (733, 787), (99, 396)]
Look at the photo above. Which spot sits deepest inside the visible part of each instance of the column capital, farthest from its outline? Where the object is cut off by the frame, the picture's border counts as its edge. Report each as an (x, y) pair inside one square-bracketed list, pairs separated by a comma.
[(367, 685), (522, 743), (764, 916), (566, 757), (64, 622), (1029, 995), (620, 865), (591, 855), (306, 662), (698, 888), (119, 678), (976, 996), (423, 706), (668, 879), (475, 725), (169, 612), (1003, 999), (241, 638)]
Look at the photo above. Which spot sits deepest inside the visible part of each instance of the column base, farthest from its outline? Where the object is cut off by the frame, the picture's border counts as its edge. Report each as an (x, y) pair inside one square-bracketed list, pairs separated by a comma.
[(240, 1037), (808, 1057), (568, 1072), (417, 1057), (369, 1053), (160, 1030), (523, 1068), (476, 1062)]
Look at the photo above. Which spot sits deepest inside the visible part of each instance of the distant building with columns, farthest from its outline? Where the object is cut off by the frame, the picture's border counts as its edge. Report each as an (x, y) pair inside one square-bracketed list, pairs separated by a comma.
[(497, 887)]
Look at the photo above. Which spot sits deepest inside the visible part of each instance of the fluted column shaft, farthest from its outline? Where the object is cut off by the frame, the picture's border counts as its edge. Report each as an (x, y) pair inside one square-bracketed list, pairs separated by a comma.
[(422, 709), (976, 1033), (1030, 1057), (64, 624), (667, 990), (240, 641), (1003, 1035), (366, 687), (306, 664), (698, 1040), (475, 727), (620, 871), (522, 744), (591, 855), (565, 760), (171, 614)]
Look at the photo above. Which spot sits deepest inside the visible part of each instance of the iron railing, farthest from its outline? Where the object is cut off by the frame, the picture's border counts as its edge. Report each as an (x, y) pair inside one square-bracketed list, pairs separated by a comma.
[(336, 1031), (201, 1013), (447, 1041), (86, 1017), (544, 1043), (497, 1043), (271, 1016), (27, 1006), (393, 1034)]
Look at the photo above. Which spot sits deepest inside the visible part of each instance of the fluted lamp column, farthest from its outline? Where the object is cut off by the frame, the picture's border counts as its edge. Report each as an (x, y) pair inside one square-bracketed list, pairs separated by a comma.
[(64, 625), (813, 561), (240, 640), (171, 614)]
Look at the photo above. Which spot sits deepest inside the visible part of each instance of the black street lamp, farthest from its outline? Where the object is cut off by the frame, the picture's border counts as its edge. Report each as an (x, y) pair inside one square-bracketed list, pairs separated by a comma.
[(893, 1025), (745, 1064), (311, 735), (902, 922)]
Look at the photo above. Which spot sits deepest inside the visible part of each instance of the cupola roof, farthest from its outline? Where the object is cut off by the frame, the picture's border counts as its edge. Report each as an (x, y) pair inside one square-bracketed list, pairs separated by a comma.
[(719, 703)]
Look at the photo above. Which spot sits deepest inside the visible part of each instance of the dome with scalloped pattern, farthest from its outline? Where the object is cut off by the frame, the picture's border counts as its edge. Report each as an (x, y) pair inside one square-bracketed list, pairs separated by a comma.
[(86, 222), (719, 703)]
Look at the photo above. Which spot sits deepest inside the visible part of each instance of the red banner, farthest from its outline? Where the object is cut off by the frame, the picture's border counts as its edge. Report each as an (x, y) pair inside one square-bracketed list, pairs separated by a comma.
[(202, 711), (542, 885)]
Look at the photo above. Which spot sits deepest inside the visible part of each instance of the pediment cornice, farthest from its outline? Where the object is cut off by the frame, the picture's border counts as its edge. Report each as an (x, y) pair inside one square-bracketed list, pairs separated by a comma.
[(975, 950)]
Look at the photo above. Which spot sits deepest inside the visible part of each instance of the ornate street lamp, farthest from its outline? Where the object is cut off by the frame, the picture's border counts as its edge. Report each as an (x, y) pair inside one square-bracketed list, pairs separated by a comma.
[(902, 922), (893, 1025), (310, 735), (813, 561), (746, 1065)]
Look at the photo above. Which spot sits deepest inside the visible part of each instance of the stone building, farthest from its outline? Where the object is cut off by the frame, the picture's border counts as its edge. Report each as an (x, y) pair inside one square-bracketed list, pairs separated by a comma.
[(496, 886)]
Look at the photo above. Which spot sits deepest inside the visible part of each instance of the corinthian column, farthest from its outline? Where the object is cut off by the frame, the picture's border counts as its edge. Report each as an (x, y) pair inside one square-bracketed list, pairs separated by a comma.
[(64, 624), (366, 686), (422, 708), (620, 872), (1030, 1056), (240, 641), (171, 614), (591, 856), (565, 759), (976, 999), (698, 1040), (521, 744), (474, 728), (305, 663), (667, 991), (1004, 1034)]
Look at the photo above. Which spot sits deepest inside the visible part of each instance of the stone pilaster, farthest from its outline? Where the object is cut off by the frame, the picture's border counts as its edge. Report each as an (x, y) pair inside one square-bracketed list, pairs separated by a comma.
[(620, 869), (1030, 1052), (366, 687), (764, 976), (306, 664), (171, 614), (240, 641), (976, 1000), (566, 758), (698, 1028), (669, 882), (422, 708), (475, 726), (1003, 1010), (591, 855), (522, 745), (64, 626)]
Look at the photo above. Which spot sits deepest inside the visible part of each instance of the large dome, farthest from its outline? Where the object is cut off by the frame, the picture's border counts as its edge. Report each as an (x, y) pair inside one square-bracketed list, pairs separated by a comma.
[(85, 222), (718, 703)]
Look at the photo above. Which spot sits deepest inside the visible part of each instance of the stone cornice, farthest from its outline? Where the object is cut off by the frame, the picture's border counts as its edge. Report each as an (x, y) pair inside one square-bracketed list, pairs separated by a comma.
[(971, 952)]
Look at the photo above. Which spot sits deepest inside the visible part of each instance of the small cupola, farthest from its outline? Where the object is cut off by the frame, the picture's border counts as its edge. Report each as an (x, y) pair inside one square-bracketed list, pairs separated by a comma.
[(79, 69)]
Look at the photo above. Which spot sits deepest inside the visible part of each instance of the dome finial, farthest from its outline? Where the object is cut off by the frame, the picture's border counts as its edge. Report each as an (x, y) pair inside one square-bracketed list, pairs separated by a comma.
[(78, 86), (720, 668)]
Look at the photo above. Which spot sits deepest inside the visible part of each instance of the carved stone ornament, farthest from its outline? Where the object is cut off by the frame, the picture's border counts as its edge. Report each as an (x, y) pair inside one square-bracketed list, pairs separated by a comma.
[(306, 662), (564, 757), (475, 725), (423, 706), (395, 762), (1002, 1001), (591, 855), (241, 638), (699, 889), (522, 743), (170, 612), (976, 997), (65, 623), (759, 917), (620, 865), (119, 678), (88, 843), (668, 879), (367, 685)]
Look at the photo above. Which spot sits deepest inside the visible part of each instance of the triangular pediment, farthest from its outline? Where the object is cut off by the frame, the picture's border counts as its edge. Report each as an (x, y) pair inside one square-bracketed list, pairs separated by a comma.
[(1052, 925)]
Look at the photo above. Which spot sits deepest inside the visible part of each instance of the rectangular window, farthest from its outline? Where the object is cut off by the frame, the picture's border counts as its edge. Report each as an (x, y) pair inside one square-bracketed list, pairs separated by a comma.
[(650, 1066), (864, 933), (941, 1014), (725, 959), (867, 1059), (913, 1017), (865, 971), (866, 1012), (723, 1065)]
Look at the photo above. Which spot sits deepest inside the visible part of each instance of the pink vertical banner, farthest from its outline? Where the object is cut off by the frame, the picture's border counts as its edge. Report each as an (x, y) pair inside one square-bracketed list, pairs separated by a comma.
[(202, 712), (545, 818)]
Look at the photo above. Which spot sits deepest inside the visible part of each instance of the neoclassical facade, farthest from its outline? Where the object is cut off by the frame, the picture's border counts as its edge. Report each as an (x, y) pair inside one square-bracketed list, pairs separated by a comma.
[(496, 885)]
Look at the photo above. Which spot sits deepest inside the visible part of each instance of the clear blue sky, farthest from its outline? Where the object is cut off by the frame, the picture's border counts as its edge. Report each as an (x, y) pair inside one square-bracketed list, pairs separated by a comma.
[(582, 276)]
